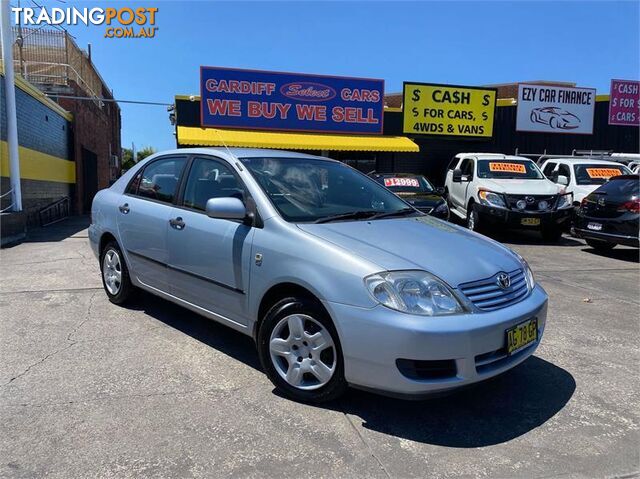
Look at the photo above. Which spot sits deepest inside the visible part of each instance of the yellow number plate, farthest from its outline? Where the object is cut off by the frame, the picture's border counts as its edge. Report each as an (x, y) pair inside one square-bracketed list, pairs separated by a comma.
[(530, 221), (521, 335)]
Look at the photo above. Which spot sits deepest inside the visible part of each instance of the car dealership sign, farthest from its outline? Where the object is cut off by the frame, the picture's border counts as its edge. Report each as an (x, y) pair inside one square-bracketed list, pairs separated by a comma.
[(624, 103), (553, 109), (261, 100), (448, 110)]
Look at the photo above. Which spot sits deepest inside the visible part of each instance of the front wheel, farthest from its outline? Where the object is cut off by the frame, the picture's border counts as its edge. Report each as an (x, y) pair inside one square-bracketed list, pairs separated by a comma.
[(300, 351), (599, 245), (473, 219)]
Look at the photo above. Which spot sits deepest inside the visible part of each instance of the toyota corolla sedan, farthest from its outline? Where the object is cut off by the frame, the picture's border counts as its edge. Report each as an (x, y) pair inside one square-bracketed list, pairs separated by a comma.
[(339, 281)]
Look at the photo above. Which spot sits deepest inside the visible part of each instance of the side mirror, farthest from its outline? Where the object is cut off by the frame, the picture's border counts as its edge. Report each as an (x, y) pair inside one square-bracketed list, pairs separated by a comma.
[(562, 180), (228, 208), (440, 190), (457, 175)]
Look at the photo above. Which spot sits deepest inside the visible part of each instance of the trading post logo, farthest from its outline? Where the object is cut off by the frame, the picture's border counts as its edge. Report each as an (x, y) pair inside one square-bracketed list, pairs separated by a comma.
[(121, 22)]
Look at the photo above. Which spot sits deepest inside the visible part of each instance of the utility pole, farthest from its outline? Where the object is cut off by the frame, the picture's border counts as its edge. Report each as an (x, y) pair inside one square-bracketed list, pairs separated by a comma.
[(10, 101)]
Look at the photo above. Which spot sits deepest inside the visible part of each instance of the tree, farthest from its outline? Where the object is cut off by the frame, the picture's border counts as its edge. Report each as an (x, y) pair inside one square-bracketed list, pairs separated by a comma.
[(127, 156)]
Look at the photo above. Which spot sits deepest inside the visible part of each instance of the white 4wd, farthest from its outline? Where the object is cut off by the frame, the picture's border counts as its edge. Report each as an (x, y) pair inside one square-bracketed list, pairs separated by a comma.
[(581, 176), (509, 191)]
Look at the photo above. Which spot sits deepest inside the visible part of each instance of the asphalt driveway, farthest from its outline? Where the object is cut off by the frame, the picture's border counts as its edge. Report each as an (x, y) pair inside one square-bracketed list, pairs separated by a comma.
[(91, 389)]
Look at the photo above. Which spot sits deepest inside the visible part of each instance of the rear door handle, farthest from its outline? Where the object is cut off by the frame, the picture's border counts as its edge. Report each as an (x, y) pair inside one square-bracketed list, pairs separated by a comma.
[(124, 209), (177, 223)]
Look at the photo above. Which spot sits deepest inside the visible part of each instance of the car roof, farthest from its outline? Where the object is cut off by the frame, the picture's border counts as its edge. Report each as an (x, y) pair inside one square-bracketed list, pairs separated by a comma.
[(243, 153), (583, 161), (492, 156)]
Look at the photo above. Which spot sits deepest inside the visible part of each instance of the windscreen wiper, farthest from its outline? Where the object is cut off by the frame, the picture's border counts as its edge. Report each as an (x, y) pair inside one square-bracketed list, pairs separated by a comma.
[(356, 215), (389, 214)]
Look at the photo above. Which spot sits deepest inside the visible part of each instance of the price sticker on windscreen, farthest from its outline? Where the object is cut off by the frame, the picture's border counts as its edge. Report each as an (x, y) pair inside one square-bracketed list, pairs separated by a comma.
[(507, 167), (603, 172), (412, 182)]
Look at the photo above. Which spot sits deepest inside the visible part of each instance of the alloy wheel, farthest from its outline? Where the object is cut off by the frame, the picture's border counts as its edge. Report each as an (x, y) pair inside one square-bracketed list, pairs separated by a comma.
[(303, 352), (112, 271)]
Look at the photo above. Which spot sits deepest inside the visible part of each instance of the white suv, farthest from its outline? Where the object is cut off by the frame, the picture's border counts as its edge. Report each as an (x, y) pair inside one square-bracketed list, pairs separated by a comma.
[(581, 176), (488, 188)]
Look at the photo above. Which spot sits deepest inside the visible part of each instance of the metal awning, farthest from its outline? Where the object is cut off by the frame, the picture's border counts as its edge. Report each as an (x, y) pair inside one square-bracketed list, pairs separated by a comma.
[(194, 136)]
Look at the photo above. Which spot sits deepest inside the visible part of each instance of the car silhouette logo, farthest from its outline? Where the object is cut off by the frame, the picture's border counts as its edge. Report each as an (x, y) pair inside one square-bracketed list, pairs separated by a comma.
[(503, 280), (556, 117)]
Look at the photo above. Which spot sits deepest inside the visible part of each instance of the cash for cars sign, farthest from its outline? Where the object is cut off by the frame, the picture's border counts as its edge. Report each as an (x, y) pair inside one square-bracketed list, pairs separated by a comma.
[(260, 100), (624, 103), (448, 110), (553, 109)]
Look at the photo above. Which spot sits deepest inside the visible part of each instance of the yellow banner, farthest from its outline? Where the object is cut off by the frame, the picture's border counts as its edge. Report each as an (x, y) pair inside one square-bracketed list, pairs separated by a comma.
[(448, 110)]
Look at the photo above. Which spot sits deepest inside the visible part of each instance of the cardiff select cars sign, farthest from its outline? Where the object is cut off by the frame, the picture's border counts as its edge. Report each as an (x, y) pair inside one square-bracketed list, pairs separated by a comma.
[(448, 110), (261, 100), (555, 109)]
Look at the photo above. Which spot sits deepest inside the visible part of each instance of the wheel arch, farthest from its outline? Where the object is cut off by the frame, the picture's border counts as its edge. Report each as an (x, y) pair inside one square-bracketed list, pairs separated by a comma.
[(278, 292), (106, 237)]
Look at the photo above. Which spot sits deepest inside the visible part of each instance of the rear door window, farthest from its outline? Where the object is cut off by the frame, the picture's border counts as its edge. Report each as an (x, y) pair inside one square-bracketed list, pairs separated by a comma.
[(159, 179)]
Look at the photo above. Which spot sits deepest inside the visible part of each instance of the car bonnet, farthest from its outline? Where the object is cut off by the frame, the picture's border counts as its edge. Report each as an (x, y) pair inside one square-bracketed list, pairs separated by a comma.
[(452, 253)]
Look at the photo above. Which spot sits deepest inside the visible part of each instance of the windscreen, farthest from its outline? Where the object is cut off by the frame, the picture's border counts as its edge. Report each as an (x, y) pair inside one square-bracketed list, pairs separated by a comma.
[(598, 174), (308, 189), (509, 169), (622, 187)]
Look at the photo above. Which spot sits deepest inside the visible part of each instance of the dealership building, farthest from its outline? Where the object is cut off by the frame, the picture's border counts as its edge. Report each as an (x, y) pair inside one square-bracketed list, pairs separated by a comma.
[(236, 118)]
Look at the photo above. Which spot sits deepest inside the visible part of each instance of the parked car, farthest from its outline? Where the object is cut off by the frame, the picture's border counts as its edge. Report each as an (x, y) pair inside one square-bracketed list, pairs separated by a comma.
[(506, 191), (339, 281), (610, 215), (416, 190), (555, 117), (581, 176)]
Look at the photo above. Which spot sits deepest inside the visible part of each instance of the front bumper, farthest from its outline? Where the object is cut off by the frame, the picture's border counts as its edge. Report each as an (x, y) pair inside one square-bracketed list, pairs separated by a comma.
[(513, 218), (374, 339)]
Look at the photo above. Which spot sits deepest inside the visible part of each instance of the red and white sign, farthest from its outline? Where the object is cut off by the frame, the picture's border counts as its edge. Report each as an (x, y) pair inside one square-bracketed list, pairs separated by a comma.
[(624, 103), (412, 182)]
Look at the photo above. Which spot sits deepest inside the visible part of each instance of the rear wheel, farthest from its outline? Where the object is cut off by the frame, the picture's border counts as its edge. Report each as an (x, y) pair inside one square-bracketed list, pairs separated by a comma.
[(599, 245), (115, 274), (300, 351)]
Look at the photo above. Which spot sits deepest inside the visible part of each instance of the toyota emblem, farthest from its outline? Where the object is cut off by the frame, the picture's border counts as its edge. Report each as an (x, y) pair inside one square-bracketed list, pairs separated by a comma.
[(504, 281)]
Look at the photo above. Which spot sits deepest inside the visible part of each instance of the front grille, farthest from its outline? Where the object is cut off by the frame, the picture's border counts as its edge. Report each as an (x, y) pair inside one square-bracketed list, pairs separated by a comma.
[(487, 294), (532, 201)]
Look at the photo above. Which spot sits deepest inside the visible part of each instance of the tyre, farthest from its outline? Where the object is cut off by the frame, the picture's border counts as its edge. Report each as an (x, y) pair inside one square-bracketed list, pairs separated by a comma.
[(115, 274), (473, 219), (599, 245), (300, 351), (552, 234)]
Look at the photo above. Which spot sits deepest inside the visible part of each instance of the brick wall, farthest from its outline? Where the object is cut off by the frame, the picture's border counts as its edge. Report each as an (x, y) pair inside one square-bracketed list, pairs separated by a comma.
[(96, 129), (41, 129)]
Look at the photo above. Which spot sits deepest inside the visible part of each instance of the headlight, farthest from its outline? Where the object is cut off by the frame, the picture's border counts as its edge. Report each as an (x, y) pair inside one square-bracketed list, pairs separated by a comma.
[(416, 292), (489, 198), (528, 274), (565, 200), (441, 208)]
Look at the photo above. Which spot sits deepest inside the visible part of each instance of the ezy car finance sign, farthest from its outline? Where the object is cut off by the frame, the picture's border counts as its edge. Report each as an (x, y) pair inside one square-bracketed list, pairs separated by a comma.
[(554, 109)]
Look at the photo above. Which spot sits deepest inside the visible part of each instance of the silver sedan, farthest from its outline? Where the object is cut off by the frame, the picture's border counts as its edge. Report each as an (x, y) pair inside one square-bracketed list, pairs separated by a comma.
[(339, 281)]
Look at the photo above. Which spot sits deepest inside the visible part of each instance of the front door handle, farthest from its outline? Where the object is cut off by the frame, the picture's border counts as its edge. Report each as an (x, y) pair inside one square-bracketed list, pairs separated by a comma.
[(124, 209), (177, 223)]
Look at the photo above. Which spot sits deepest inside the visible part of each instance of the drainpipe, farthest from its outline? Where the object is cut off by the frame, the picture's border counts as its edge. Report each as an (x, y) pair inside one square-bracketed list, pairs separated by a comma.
[(10, 101)]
